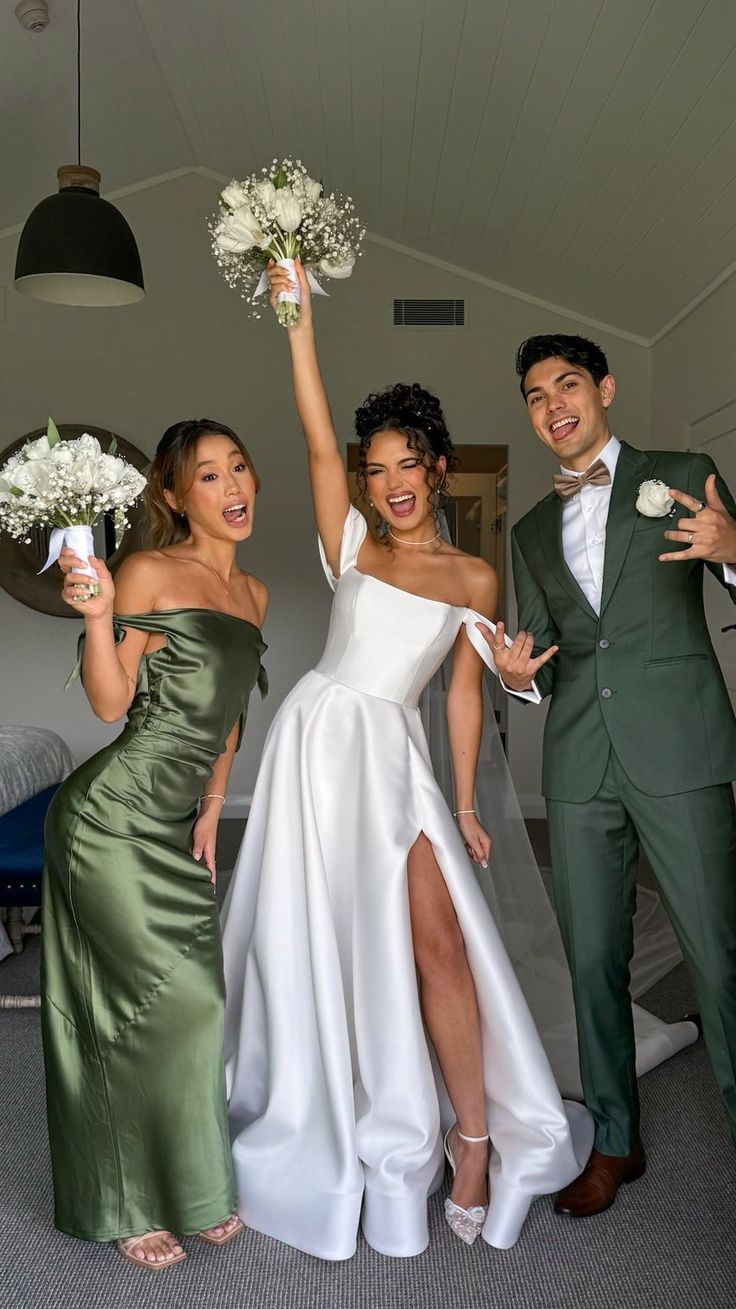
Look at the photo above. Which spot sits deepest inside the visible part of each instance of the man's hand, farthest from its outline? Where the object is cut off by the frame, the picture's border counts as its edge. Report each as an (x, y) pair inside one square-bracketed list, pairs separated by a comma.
[(514, 662), (710, 533)]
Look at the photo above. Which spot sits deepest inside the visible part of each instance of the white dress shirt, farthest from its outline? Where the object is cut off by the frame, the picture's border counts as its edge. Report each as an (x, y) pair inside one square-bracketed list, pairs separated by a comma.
[(584, 517)]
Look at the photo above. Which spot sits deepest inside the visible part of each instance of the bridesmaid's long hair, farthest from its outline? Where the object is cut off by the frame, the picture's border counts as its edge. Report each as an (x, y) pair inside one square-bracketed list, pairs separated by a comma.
[(172, 469)]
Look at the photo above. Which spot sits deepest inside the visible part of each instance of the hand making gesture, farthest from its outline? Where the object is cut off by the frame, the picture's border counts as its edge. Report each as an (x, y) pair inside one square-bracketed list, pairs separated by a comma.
[(514, 662), (710, 532)]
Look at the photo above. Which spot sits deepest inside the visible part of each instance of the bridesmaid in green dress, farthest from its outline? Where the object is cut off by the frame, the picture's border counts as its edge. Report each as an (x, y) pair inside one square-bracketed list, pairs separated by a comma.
[(133, 989)]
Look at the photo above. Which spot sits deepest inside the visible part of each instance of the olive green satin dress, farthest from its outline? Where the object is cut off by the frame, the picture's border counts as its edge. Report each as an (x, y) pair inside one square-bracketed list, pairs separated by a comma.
[(133, 992)]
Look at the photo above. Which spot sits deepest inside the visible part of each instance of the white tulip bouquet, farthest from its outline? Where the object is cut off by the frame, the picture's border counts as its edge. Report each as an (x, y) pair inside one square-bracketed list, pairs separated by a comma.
[(282, 213), (66, 485)]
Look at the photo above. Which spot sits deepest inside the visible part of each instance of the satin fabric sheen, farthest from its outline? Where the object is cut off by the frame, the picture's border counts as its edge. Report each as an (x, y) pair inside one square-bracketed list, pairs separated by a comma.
[(336, 1103), (132, 966)]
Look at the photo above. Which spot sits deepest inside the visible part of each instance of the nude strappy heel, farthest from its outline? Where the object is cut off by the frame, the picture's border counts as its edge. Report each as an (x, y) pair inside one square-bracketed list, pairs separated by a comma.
[(127, 1244), (235, 1230)]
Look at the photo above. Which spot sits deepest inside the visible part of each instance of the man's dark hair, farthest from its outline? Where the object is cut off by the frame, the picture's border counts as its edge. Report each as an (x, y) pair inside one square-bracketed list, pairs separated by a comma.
[(576, 350)]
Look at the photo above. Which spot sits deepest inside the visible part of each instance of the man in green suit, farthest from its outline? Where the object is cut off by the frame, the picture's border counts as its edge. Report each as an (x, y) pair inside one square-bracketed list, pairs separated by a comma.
[(640, 740)]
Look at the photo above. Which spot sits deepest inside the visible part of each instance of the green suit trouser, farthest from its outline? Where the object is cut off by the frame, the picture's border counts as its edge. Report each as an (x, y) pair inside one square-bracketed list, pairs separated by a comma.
[(690, 840)]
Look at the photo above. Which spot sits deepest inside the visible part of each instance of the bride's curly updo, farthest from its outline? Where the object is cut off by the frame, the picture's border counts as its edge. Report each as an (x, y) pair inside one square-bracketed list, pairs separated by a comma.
[(417, 415)]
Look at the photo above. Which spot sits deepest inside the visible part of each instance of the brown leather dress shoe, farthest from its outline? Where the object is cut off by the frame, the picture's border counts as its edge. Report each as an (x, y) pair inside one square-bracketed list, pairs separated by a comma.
[(595, 1189)]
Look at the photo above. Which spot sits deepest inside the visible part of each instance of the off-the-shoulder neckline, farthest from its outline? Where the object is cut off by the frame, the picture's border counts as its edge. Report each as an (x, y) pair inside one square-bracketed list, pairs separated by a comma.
[(426, 598), (188, 609)]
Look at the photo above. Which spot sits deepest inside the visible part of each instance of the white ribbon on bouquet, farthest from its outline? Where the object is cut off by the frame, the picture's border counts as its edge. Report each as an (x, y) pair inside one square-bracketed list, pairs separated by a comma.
[(79, 539), (291, 297)]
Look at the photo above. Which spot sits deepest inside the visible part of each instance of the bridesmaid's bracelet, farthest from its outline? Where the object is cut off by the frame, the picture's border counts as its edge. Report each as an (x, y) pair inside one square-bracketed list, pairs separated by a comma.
[(213, 795), (458, 812)]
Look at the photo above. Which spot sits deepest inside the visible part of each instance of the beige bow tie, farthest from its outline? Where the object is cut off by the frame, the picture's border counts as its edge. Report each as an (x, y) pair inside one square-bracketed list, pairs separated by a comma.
[(567, 484)]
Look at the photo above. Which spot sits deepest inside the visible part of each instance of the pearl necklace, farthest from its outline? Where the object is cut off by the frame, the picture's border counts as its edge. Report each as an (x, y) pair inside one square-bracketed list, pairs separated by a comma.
[(401, 542)]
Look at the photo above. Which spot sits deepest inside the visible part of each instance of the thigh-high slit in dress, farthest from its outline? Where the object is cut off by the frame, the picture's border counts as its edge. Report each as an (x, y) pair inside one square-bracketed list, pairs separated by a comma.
[(336, 1103)]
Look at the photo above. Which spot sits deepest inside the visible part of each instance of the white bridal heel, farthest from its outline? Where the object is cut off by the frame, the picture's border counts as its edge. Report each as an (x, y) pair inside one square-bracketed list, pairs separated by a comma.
[(465, 1223)]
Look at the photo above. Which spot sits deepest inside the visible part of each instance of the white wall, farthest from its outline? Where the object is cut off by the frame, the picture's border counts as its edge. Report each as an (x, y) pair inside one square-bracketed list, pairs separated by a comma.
[(694, 367), (694, 407), (190, 350)]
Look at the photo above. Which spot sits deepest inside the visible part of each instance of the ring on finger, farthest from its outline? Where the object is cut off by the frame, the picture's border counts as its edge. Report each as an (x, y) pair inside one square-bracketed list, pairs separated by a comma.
[(690, 538), (700, 507)]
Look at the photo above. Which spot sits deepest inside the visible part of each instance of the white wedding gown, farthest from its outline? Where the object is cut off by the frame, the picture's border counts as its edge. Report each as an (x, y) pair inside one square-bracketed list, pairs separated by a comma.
[(335, 1104)]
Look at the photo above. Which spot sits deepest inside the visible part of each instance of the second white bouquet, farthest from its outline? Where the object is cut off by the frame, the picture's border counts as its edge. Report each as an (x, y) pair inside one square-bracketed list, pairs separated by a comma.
[(282, 213), (68, 486)]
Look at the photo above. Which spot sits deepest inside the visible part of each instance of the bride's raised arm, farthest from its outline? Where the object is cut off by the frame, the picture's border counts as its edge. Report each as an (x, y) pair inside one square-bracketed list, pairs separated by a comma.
[(326, 467)]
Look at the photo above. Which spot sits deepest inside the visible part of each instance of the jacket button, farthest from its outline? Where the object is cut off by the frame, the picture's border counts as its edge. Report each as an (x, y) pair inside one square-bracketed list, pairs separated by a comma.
[(603, 643), (606, 693)]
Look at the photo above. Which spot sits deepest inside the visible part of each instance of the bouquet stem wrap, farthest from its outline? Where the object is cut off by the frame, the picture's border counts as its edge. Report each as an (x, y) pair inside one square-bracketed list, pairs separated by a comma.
[(79, 539), (288, 315)]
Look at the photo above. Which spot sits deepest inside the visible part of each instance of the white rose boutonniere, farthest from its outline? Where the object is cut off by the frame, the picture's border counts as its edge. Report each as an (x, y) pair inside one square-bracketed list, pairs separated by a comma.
[(654, 499)]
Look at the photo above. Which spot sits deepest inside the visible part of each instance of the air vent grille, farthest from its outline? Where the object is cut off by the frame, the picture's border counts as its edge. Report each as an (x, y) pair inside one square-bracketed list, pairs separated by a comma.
[(429, 313)]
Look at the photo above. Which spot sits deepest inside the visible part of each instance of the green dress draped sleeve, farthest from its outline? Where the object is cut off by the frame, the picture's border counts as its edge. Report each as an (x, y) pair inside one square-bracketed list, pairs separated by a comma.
[(132, 985)]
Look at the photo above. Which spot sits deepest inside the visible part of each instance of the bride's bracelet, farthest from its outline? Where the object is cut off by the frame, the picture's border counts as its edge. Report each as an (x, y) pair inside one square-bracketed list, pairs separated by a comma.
[(458, 812), (213, 795)]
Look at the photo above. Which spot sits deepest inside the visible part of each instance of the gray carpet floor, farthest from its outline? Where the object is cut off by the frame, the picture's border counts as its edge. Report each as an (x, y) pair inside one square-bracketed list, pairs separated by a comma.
[(669, 1241)]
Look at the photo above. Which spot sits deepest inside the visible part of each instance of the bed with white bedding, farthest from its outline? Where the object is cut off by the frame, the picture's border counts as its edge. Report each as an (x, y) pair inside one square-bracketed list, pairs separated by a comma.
[(33, 762)]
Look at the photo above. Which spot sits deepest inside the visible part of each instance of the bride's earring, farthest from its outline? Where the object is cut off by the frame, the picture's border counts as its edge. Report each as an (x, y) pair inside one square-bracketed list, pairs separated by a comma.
[(382, 528)]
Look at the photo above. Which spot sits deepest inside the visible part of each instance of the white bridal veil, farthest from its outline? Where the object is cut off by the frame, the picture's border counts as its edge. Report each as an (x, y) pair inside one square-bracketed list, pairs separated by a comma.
[(515, 889)]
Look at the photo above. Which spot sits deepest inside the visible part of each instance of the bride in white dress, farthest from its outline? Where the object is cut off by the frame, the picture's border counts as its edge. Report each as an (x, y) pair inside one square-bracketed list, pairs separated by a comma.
[(371, 1001)]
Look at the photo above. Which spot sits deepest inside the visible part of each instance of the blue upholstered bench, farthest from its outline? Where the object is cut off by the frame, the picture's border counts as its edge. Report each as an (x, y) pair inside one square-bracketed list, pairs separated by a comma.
[(21, 859)]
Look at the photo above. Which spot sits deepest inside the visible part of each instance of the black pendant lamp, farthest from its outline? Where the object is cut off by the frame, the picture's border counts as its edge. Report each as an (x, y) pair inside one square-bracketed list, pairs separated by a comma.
[(76, 248)]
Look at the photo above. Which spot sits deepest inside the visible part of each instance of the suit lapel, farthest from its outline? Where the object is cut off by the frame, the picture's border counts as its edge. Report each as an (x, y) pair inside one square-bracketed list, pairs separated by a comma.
[(633, 468), (549, 513)]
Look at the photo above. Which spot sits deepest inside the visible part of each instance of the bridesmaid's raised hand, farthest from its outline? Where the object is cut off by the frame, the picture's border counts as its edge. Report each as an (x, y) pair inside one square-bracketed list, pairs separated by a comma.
[(81, 592)]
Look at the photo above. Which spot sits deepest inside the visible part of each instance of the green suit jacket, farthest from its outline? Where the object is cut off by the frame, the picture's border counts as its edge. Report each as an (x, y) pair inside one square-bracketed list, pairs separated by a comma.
[(642, 676)]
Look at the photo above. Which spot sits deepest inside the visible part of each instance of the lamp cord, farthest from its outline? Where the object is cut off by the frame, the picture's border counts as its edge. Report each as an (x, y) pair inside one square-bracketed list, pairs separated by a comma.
[(79, 82)]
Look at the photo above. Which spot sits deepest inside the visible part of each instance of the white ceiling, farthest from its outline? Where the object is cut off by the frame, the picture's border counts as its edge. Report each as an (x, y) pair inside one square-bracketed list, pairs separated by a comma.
[(580, 151)]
